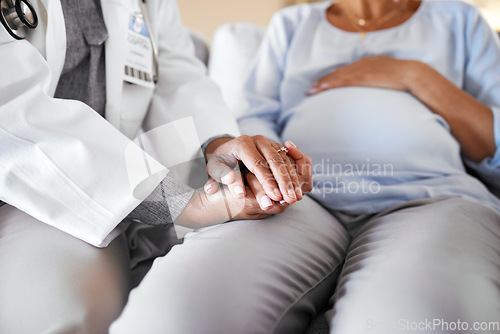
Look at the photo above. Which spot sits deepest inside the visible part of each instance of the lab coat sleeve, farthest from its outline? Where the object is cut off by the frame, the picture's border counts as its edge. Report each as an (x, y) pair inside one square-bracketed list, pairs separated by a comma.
[(60, 161), (262, 87), (183, 88), (482, 81), (164, 205)]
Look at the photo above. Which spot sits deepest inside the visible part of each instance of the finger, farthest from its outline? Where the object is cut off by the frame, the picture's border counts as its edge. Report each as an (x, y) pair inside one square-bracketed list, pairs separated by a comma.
[(276, 209), (307, 178), (297, 156), (282, 169), (264, 201), (294, 177), (303, 166), (294, 152), (237, 187), (257, 211), (220, 168), (320, 86), (211, 187), (258, 165)]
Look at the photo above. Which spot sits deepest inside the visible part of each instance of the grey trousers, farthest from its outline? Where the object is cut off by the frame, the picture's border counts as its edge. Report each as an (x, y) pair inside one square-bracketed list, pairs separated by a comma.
[(419, 262), (424, 261), (430, 268), (51, 282)]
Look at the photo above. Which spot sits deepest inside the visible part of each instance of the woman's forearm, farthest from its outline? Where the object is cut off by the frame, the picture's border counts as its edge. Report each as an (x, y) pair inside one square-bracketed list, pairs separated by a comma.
[(471, 122)]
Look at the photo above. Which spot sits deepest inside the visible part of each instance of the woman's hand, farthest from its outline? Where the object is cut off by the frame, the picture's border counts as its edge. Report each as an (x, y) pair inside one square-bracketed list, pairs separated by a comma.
[(303, 171), (273, 170), (471, 121), (381, 71)]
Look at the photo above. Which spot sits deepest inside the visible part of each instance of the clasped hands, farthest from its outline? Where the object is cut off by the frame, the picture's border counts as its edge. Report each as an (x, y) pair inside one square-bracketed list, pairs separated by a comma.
[(255, 170), (250, 178), (274, 180), (275, 177)]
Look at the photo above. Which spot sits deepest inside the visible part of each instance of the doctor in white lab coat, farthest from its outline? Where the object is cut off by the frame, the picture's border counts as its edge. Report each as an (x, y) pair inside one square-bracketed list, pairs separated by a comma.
[(70, 176)]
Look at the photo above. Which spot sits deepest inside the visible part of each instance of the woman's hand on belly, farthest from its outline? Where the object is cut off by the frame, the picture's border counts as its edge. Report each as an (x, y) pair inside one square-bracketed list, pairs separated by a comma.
[(380, 71), (471, 121)]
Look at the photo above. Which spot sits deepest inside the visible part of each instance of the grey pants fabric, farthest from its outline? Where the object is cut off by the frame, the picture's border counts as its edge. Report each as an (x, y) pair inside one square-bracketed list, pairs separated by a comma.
[(242, 277), (51, 282), (419, 262), (430, 268)]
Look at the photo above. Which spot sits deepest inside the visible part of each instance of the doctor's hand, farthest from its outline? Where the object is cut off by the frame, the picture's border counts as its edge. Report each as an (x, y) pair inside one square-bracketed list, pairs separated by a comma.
[(274, 173), (220, 207), (380, 71)]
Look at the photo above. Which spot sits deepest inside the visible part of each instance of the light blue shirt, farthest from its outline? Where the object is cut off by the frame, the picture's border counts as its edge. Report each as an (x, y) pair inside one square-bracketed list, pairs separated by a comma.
[(374, 148)]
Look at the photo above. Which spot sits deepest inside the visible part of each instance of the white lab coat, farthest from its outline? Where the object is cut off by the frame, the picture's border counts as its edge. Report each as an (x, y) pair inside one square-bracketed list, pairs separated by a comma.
[(64, 164)]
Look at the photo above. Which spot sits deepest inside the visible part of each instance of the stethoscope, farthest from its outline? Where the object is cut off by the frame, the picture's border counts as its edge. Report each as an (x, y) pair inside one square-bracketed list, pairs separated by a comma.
[(17, 16)]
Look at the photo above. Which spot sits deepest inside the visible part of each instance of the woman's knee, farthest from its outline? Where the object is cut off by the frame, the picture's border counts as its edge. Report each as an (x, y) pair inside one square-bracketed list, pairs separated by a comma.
[(436, 261), (241, 277)]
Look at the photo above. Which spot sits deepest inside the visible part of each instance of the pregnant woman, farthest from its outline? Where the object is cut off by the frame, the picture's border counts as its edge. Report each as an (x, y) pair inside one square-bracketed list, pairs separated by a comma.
[(398, 104)]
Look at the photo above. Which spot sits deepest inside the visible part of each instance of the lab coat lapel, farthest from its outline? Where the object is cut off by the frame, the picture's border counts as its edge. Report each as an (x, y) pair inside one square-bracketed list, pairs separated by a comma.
[(55, 41), (116, 16)]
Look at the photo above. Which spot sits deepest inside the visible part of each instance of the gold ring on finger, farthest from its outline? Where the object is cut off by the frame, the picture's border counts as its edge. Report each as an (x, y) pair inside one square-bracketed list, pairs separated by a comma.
[(282, 149)]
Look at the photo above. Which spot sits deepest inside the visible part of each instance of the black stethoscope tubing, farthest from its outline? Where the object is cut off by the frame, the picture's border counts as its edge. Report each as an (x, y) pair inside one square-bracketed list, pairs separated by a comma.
[(7, 17)]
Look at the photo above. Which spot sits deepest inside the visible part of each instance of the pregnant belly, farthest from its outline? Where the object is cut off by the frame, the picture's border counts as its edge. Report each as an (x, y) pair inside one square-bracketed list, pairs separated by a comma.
[(370, 126)]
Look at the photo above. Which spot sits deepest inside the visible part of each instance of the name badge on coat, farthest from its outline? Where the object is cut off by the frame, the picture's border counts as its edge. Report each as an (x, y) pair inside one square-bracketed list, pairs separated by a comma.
[(140, 53)]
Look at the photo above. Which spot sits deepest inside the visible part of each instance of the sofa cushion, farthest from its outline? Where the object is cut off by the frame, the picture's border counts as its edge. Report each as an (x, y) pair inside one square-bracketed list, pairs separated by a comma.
[(233, 47), (201, 44)]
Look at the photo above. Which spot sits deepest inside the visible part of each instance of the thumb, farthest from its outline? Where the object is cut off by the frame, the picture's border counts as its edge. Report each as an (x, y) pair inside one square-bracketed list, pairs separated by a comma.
[(220, 167)]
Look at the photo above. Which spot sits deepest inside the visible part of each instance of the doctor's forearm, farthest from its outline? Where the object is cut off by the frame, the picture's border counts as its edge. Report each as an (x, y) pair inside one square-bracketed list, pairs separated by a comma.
[(471, 121), (202, 211)]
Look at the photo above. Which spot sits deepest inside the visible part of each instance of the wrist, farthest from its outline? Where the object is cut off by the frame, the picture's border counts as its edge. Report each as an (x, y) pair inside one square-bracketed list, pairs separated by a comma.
[(216, 143), (215, 207), (204, 210), (411, 71)]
